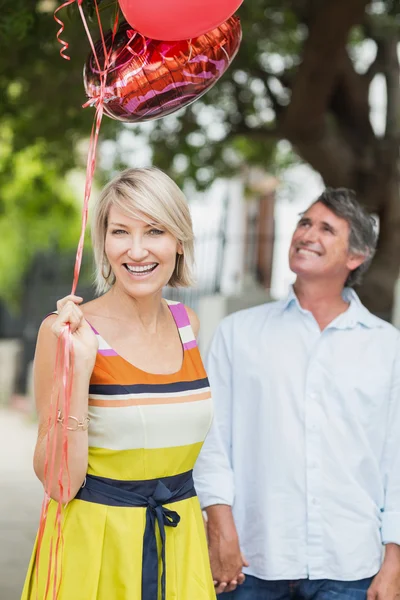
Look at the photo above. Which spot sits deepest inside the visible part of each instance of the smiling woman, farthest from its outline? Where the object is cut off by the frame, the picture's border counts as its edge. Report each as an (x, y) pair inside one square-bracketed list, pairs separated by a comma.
[(139, 412), (142, 201)]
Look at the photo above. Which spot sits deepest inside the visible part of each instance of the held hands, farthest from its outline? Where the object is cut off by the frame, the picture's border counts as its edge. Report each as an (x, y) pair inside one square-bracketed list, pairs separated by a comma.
[(227, 569), (226, 558), (84, 339), (386, 584)]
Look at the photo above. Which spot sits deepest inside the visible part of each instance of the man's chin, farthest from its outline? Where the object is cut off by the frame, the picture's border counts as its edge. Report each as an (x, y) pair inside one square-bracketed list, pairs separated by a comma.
[(303, 272)]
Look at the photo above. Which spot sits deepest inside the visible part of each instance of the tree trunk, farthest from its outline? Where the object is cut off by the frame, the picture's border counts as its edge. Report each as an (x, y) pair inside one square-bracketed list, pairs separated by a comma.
[(330, 128), (377, 290), (377, 185)]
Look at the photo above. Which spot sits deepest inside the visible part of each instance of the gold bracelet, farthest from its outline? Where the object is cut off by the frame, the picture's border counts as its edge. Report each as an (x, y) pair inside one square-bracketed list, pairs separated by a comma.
[(78, 424)]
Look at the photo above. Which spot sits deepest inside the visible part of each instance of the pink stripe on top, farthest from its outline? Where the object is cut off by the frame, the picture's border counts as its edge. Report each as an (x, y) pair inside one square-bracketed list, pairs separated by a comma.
[(107, 352), (190, 345), (180, 315)]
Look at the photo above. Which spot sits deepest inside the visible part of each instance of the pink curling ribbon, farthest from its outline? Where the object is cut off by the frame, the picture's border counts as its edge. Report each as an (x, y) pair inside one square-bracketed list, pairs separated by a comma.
[(64, 362)]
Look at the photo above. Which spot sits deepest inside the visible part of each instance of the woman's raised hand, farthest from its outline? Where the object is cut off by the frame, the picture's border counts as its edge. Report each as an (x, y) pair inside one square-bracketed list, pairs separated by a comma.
[(84, 339)]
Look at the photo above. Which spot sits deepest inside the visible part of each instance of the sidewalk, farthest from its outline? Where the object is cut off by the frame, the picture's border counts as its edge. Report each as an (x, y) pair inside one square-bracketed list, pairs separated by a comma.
[(20, 501)]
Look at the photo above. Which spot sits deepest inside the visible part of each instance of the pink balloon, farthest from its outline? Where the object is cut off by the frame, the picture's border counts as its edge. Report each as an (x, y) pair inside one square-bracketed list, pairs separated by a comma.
[(148, 79), (174, 20)]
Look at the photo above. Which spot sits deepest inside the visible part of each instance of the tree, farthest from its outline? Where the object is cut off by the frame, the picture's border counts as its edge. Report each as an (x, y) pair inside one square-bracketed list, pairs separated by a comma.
[(38, 212), (42, 123), (296, 78), (41, 94)]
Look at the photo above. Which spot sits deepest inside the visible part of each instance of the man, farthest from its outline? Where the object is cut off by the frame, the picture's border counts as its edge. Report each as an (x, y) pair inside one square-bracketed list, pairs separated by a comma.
[(306, 440)]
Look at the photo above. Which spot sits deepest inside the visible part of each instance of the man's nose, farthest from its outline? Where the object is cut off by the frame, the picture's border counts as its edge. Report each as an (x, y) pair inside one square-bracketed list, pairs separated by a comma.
[(310, 235)]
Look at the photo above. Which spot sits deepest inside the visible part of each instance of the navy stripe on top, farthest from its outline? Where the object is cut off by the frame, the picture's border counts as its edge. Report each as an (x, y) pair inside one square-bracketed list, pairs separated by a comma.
[(156, 388)]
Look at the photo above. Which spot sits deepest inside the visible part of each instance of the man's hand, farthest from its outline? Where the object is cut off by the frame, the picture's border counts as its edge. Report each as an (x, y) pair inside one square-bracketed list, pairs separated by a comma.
[(386, 584), (225, 557)]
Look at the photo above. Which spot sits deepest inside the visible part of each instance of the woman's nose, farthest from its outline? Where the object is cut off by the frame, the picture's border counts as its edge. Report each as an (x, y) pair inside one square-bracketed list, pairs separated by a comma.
[(137, 250)]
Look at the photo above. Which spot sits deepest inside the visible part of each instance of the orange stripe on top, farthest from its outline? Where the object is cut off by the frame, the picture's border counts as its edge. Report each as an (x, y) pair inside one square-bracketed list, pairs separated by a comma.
[(125, 373), (149, 401)]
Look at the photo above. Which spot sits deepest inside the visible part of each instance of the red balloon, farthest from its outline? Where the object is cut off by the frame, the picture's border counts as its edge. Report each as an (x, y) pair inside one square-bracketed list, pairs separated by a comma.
[(148, 79), (177, 19)]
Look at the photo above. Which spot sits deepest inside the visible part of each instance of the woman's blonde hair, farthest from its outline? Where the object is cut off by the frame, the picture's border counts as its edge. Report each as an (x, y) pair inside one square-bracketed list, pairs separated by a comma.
[(151, 195)]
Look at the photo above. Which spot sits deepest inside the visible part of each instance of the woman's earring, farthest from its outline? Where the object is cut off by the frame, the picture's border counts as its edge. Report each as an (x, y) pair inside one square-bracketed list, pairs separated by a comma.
[(106, 277), (178, 265)]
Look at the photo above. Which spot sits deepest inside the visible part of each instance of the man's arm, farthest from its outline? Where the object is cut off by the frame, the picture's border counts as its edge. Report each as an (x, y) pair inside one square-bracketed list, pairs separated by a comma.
[(386, 585), (213, 473)]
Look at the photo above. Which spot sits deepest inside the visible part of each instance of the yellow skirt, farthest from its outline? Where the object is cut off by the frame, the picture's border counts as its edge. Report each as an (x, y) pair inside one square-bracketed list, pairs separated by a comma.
[(100, 557)]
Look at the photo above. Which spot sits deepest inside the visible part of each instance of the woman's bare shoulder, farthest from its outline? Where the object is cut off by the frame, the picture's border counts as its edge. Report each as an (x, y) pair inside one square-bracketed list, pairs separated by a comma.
[(194, 320), (93, 307)]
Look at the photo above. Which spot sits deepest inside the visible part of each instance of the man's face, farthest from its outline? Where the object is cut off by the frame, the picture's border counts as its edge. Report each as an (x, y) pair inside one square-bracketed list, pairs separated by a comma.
[(320, 246)]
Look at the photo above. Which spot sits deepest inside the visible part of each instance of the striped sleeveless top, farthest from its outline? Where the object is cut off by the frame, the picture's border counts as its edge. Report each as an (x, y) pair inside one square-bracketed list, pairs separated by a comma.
[(143, 425)]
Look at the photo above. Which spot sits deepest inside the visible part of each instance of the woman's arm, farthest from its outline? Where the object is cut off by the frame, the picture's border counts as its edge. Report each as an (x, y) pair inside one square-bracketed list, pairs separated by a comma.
[(85, 349), (194, 321)]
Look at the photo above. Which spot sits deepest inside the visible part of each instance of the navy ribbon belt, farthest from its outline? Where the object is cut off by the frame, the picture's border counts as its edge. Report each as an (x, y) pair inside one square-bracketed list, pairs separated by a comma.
[(151, 494)]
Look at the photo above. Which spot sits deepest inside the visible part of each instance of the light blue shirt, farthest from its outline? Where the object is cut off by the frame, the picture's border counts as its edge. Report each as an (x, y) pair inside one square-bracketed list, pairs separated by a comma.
[(306, 439)]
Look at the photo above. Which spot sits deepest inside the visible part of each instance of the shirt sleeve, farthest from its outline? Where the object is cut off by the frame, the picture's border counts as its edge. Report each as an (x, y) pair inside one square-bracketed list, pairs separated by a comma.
[(391, 462), (213, 475)]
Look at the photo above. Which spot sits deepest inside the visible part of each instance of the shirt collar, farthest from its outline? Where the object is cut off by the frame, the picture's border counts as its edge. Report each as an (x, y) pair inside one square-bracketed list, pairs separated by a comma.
[(356, 313), (291, 297)]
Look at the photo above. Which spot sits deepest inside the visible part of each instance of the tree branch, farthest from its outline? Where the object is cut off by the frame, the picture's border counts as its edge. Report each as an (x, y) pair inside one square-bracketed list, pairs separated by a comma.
[(391, 72), (377, 64), (276, 105), (329, 155), (350, 105), (328, 33), (254, 133), (285, 78)]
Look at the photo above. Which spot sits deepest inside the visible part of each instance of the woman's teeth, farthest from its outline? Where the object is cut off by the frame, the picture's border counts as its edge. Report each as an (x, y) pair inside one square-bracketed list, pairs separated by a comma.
[(141, 270)]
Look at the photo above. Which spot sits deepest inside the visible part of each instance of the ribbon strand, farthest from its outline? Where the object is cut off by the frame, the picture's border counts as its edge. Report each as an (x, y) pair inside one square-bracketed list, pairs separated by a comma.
[(63, 43), (64, 361)]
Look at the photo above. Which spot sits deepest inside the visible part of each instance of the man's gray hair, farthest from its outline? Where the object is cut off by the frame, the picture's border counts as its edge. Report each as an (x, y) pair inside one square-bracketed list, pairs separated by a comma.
[(363, 236)]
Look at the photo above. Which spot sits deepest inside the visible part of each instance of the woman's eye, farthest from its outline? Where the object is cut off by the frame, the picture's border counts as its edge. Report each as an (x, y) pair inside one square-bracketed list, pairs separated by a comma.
[(118, 231), (155, 232)]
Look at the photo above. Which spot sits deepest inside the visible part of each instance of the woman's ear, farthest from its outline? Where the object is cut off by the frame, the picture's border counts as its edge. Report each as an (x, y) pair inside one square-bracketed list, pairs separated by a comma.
[(179, 249)]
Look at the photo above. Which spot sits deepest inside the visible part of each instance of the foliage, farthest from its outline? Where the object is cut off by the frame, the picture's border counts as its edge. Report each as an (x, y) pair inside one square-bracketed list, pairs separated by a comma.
[(37, 212), (41, 95), (297, 77), (42, 123)]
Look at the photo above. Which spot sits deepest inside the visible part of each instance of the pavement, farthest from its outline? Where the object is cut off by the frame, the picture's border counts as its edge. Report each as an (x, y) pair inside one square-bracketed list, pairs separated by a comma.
[(20, 500)]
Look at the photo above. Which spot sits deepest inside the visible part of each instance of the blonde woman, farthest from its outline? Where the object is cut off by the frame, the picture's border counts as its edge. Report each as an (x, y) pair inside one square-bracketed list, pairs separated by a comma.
[(140, 410)]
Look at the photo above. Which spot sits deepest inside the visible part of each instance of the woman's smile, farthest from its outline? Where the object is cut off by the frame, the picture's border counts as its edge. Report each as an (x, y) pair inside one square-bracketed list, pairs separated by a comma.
[(141, 270)]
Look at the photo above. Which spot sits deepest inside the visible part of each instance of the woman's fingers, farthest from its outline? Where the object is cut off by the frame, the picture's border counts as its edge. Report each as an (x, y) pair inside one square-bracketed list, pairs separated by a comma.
[(220, 587), (232, 585), (71, 298), (69, 315)]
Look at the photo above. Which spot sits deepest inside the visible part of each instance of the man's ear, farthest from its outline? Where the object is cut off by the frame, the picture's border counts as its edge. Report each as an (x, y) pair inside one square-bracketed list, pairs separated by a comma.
[(355, 260)]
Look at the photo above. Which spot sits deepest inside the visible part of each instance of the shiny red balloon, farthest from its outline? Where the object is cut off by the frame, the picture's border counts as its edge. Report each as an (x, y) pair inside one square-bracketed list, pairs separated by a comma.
[(177, 19), (148, 79)]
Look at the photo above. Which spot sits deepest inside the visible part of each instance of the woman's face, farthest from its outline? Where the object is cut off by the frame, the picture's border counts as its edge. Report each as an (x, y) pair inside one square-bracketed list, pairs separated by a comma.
[(142, 256)]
